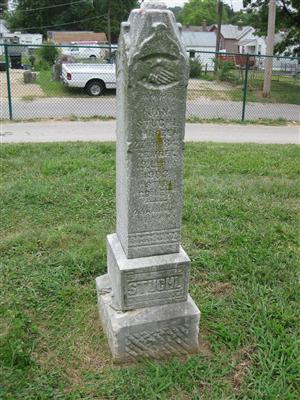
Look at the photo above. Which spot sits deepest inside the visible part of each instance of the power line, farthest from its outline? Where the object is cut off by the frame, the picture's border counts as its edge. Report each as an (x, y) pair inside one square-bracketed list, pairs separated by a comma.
[(66, 23), (53, 6)]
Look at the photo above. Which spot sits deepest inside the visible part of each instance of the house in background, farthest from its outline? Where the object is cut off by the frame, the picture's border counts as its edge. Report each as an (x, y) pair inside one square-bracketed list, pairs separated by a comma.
[(249, 43), (240, 39), (196, 28), (29, 39), (3, 32), (230, 36), (67, 37), (196, 42)]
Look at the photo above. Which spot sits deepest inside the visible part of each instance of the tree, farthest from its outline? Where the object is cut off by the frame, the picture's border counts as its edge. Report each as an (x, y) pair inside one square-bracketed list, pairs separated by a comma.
[(176, 10), (40, 16), (3, 7), (242, 18), (119, 11), (195, 12), (287, 20)]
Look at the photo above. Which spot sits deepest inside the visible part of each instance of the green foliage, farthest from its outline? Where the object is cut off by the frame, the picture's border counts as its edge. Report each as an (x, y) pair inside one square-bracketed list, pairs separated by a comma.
[(195, 68), (17, 344), (176, 10), (195, 12), (40, 16), (287, 20), (119, 11), (226, 71), (48, 53)]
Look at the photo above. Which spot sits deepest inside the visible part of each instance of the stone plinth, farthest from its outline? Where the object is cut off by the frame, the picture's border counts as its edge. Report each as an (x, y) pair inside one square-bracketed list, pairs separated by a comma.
[(156, 332), (146, 281)]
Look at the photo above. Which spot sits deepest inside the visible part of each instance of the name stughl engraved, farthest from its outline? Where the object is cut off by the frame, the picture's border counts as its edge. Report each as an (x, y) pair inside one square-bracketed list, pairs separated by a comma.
[(154, 285)]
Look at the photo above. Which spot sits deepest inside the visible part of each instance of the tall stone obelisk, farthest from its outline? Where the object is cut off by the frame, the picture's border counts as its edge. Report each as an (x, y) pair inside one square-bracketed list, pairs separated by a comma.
[(143, 300)]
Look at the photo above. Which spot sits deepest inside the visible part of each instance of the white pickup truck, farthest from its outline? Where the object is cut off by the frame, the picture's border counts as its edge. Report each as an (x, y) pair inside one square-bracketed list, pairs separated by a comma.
[(95, 78)]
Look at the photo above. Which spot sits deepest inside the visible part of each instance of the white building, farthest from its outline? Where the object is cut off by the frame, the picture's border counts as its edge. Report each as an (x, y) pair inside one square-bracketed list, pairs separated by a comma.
[(201, 45), (3, 32), (29, 39), (249, 43)]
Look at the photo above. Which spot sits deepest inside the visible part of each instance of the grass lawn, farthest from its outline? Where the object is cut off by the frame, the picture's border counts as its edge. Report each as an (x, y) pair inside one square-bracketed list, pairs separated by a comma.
[(53, 88), (284, 89), (240, 230)]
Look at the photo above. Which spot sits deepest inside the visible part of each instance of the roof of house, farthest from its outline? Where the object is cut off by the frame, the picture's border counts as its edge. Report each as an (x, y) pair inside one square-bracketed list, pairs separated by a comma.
[(196, 28), (248, 42), (73, 36), (199, 39), (3, 28), (229, 31)]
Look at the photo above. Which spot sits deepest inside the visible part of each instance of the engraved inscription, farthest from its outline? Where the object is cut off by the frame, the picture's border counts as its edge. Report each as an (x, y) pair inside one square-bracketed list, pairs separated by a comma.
[(156, 285), (158, 343), (150, 140), (156, 237)]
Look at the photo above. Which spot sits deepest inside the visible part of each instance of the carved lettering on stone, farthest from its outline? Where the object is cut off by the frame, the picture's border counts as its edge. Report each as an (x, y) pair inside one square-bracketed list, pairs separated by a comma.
[(143, 300), (151, 81)]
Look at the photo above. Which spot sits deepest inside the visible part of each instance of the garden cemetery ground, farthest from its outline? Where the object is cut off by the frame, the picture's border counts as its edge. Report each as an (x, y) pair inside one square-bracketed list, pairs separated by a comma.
[(239, 228), (285, 89)]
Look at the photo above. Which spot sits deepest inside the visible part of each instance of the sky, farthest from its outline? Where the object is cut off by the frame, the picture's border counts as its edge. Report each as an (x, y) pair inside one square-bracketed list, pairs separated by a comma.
[(236, 4)]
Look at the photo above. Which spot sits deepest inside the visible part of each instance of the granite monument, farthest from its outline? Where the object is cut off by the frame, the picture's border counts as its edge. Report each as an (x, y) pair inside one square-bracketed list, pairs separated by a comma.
[(143, 300)]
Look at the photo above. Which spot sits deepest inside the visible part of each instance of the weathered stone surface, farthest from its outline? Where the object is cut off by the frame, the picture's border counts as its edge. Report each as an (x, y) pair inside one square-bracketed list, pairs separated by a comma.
[(152, 76), (143, 300), (154, 332), (146, 281)]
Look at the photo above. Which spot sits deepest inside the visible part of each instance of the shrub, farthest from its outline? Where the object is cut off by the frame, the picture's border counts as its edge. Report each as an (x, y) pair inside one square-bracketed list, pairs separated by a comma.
[(41, 65), (226, 71), (195, 68), (48, 54)]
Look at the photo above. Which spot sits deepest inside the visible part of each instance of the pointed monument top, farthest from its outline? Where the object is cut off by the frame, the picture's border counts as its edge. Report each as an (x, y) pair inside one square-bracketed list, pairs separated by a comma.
[(154, 4)]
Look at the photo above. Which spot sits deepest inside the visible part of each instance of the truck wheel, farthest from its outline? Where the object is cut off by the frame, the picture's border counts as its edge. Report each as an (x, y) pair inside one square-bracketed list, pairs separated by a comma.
[(95, 88), (92, 57)]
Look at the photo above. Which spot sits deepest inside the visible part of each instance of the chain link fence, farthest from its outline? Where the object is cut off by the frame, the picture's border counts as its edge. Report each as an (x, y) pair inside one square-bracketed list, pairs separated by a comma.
[(71, 81)]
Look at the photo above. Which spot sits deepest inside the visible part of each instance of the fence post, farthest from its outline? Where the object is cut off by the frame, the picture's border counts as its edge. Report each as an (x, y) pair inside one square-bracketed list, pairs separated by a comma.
[(8, 82), (245, 87)]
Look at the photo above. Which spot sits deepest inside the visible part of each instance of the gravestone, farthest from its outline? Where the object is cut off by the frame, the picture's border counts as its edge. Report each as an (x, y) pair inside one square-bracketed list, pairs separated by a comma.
[(143, 301)]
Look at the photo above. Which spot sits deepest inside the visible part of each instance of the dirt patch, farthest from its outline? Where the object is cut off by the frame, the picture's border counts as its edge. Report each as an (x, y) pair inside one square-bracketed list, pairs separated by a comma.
[(240, 373), (201, 84), (205, 349), (221, 288), (243, 363), (19, 89), (209, 94)]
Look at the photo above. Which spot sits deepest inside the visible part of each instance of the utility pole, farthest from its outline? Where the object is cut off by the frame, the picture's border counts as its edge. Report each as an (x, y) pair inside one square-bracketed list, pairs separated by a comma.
[(109, 33), (270, 48), (220, 12)]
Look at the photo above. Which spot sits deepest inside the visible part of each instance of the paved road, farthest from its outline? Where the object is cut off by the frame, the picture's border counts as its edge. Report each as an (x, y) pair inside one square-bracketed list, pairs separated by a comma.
[(105, 131), (106, 106)]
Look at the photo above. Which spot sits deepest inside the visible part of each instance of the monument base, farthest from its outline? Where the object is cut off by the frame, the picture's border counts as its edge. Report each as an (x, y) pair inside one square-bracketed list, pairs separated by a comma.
[(156, 332)]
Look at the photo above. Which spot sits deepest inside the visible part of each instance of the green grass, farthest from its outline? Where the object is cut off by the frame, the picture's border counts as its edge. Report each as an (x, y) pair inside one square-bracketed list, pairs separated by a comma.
[(260, 121), (53, 88), (191, 120), (284, 89), (240, 229)]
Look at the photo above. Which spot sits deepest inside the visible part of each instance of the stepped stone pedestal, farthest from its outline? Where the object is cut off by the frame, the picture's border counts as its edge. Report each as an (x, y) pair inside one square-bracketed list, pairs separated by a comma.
[(143, 299)]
